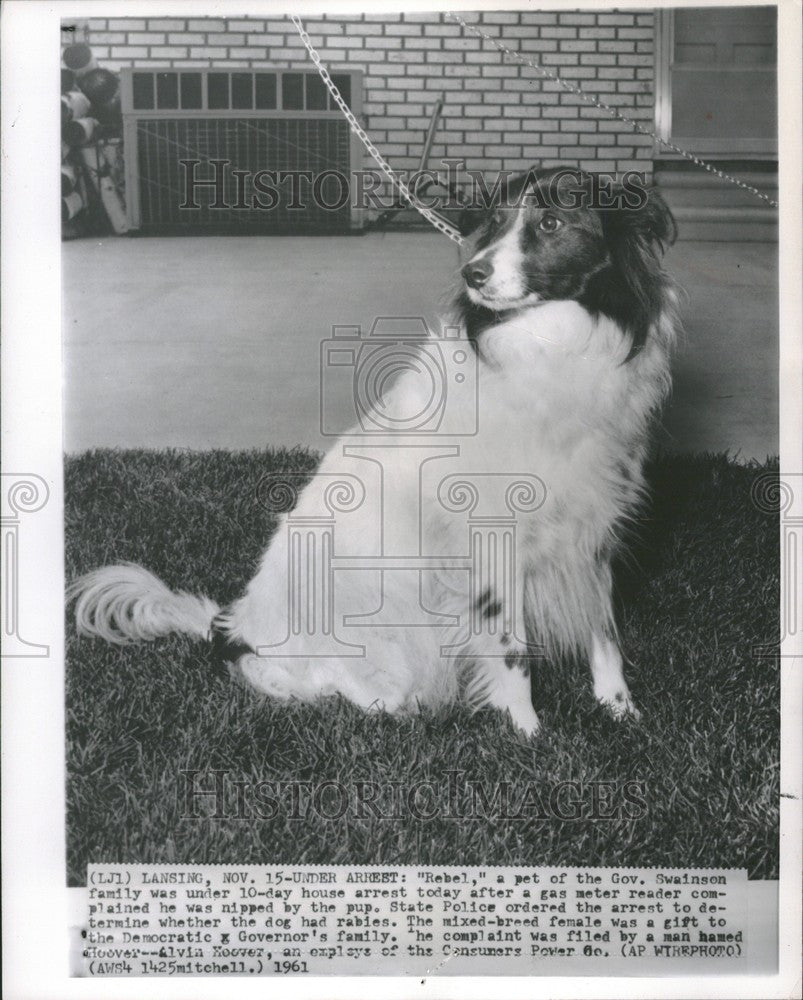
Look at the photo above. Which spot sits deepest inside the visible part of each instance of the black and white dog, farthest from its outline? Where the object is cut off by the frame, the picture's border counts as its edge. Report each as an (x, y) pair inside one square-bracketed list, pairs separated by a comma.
[(568, 319)]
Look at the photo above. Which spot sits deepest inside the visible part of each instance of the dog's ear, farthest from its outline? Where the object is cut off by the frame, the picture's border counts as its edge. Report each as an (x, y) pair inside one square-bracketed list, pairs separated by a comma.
[(488, 200), (635, 238), (650, 225), (656, 221), (470, 218)]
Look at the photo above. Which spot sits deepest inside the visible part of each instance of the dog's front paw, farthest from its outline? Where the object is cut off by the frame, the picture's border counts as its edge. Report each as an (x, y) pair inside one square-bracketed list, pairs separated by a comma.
[(525, 720), (621, 706)]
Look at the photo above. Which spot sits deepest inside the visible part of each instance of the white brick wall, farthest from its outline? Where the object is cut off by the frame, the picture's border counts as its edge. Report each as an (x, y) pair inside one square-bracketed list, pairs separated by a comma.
[(497, 115)]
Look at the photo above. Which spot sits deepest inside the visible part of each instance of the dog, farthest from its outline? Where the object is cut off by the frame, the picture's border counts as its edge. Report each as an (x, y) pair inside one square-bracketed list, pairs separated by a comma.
[(565, 313)]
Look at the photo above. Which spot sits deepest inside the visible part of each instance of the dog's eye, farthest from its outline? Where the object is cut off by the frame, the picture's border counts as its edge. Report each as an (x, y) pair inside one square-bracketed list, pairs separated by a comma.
[(549, 223)]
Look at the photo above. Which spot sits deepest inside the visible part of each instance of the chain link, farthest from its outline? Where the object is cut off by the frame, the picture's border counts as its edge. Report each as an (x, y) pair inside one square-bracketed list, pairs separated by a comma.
[(597, 103), (433, 218)]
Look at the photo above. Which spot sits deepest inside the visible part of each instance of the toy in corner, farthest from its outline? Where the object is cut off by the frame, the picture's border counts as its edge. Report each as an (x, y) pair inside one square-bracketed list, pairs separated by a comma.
[(92, 185)]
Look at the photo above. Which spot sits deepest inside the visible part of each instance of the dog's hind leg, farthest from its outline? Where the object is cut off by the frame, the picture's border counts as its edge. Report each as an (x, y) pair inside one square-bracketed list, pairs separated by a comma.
[(308, 679), (610, 686)]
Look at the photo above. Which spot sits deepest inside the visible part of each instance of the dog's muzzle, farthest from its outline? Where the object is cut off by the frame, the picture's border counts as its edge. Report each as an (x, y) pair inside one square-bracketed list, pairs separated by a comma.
[(476, 273)]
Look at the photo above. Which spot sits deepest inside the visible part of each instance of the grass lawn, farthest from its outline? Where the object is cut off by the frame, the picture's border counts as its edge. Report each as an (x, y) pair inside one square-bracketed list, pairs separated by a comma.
[(699, 594)]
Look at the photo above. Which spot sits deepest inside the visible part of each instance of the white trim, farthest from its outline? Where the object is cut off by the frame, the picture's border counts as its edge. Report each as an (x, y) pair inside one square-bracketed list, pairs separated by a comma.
[(728, 148), (664, 46)]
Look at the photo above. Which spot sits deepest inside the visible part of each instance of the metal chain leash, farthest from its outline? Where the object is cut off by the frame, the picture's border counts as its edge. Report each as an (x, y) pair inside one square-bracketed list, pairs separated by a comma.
[(597, 103), (432, 217)]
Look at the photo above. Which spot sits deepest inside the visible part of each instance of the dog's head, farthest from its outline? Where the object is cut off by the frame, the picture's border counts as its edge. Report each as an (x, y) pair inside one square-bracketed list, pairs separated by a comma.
[(560, 235)]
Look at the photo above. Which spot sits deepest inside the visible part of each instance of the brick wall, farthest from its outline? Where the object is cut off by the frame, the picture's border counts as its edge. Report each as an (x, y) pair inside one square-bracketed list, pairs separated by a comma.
[(497, 115)]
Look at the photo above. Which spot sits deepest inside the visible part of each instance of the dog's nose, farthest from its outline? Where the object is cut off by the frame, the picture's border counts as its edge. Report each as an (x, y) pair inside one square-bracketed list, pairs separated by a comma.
[(477, 272)]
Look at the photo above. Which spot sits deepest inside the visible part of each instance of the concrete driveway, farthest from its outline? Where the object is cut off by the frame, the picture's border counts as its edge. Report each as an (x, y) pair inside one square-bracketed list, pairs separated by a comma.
[(214, 342)]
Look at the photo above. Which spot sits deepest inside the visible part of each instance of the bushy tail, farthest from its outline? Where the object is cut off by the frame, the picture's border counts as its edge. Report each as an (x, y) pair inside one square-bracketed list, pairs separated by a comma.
[(126, 603)]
